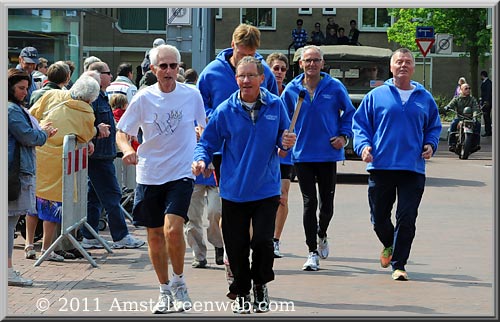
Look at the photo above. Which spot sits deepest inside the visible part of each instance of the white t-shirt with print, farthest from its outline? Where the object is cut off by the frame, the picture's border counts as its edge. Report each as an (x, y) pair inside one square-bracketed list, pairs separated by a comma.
[(167, 121)]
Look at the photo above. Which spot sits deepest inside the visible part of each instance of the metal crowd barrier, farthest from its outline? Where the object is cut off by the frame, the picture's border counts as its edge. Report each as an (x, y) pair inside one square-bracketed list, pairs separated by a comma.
[(74, 204)]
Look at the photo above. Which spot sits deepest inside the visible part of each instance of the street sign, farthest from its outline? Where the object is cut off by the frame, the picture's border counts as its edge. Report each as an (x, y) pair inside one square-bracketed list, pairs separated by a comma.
[(444, 44), (425, 32), (179, 16), (425, 45)]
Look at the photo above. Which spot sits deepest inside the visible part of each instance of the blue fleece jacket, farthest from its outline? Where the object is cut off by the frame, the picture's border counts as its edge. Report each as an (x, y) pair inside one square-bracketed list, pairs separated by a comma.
[(396, 132), (250, 166), (217, 81), (328, 114)]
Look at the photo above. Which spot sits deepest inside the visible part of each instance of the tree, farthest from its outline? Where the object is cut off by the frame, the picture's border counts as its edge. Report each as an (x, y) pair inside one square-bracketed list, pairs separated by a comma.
[(467, 25)]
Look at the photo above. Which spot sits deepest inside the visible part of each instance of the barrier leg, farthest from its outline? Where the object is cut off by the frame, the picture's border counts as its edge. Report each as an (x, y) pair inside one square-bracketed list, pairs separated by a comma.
[(49, 250), (82, 250), (99, 238)]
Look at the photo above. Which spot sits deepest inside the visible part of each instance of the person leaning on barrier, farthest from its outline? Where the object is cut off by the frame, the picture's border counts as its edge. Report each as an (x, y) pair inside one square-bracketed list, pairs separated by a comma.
[(71, 113), (458, 104), (58, 76), (25, 133)]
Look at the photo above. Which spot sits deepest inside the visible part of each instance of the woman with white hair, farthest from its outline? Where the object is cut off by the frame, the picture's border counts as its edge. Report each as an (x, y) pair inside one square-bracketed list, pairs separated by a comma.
[(71, 112)]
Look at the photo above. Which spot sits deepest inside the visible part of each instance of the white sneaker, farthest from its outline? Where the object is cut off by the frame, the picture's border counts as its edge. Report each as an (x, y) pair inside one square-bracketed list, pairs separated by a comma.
[(92, 243), (15, 279), (128, 242), (276, 245), (182, 302), (54, 257), (312, 262), (323, 248), (165, 303)]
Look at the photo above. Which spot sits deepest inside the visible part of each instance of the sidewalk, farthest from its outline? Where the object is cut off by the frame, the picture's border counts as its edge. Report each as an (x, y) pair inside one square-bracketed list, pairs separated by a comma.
[(451, 267)]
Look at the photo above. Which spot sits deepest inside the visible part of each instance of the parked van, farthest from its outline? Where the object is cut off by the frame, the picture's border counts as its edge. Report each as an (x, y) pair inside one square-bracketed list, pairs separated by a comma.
[(359, 68)]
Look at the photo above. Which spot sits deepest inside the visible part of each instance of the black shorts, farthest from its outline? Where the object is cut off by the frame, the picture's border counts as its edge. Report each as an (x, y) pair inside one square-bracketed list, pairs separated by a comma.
[(153, 202), (286, 171)]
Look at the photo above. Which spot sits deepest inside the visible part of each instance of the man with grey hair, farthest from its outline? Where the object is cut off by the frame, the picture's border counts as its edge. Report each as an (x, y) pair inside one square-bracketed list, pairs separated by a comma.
[(88, 61), (248, 126), (104, 190), (166, 113), (396, 129)]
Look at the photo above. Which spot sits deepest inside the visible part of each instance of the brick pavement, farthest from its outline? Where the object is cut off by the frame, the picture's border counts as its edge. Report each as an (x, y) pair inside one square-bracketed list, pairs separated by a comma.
[(451, 271)]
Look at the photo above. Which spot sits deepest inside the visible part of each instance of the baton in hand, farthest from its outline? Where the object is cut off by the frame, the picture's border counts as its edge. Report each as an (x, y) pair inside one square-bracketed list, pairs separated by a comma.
[(302, 94)]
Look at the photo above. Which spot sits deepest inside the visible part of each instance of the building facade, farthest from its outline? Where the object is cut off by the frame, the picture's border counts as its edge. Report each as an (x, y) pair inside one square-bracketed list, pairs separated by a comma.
[(119, 35)]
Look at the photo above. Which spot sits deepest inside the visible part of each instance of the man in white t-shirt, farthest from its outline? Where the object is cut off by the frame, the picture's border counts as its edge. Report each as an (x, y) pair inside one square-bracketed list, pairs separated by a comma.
[(166, 113)]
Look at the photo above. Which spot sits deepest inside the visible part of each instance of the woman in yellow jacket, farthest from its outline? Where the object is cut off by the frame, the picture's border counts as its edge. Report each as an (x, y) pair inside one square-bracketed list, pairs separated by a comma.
[(72, 113)]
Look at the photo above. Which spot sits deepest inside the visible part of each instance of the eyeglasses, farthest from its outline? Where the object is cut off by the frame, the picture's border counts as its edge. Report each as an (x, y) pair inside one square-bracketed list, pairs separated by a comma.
[(250, 76), (277, 69), (171, 65), (313, 60), (107, 73)]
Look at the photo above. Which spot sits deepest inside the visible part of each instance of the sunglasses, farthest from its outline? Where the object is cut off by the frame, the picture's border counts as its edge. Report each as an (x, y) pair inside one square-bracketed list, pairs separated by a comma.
[(107, 73), (277, 69), (171, 65)]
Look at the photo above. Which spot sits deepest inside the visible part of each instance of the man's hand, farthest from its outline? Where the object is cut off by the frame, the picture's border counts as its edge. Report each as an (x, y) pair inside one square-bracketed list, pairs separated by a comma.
[(282, 153), (198, 167), (288, 139), (130, 157), (427, 152), (338, 142), (366, 155), (103, 130)]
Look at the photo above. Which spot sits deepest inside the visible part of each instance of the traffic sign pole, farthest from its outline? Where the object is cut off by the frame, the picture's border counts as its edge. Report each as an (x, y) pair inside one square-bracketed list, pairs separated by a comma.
[(425, 40)]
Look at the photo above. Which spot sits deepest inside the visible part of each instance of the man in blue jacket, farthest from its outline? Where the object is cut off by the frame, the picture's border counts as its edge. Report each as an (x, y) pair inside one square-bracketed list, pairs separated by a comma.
[(217, 81), (396, 128), (323, 129), (249, 127)]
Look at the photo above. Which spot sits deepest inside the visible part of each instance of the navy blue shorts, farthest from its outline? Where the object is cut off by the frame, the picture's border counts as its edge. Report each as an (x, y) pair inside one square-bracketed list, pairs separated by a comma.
[(153, 202)]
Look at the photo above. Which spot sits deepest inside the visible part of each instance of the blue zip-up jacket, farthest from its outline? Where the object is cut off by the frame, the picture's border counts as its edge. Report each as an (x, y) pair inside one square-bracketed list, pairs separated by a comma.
[(326, 115), (217, 81), (105, 148), (21, 130), (397, 133), (250, 166)]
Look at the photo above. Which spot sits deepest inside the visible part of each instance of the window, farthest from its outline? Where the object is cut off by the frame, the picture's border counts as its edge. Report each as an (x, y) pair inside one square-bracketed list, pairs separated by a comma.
[(142, 19), (263, 18), (376, 19), (329, 11), (305, 11), (218, 13)]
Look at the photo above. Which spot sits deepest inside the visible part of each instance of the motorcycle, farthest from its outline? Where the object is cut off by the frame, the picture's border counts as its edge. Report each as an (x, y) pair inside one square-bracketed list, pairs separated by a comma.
[(467, 142)]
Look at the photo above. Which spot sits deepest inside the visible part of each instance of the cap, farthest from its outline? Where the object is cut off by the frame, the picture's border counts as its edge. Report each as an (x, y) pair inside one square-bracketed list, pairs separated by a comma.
[(158, 42), (30, 55)]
